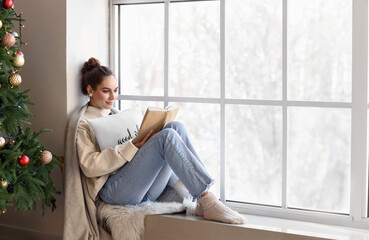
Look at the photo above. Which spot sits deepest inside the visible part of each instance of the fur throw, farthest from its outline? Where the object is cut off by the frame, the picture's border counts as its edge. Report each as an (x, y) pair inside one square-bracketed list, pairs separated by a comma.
[(127, 222)]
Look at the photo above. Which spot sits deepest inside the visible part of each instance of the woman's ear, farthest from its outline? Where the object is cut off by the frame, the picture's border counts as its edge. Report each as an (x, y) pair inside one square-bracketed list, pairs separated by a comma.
[(89, 90)]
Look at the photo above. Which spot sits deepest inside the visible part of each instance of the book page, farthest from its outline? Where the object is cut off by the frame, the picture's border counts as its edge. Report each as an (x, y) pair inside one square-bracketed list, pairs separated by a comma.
[(155, 119), (171, 115)]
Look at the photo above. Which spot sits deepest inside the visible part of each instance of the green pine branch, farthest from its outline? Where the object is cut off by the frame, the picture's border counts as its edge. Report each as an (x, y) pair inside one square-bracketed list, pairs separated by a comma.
[(30, 183)]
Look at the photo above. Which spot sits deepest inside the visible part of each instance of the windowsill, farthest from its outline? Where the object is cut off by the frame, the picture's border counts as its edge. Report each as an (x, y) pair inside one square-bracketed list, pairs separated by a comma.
[(193, 227)]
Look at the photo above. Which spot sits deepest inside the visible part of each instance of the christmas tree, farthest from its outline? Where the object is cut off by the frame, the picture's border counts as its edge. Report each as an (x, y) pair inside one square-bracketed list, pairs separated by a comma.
[(25, 165)]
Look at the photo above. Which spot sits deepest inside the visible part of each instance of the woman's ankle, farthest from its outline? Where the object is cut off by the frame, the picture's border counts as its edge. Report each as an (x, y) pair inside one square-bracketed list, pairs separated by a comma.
[(204, 194), (199, 210)]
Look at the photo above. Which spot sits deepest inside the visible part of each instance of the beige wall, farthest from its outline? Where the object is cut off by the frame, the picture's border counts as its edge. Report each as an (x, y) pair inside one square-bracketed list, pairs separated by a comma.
[(87, 36), (61, 35)]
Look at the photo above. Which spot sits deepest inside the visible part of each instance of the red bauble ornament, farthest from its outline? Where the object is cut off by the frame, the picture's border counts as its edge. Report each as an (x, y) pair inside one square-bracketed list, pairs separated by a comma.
[(23, 160), (7, 4), (20, 53)]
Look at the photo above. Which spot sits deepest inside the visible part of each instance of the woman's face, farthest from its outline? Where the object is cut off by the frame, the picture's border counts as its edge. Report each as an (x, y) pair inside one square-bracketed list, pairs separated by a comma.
[(105, 94)]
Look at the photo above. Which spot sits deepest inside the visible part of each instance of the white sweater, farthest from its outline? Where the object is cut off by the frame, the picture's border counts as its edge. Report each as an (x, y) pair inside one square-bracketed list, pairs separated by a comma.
[(95, 164)]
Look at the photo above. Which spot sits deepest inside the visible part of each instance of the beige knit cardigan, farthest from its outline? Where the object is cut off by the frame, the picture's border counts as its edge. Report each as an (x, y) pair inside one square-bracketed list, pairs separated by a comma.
[(80, 211)]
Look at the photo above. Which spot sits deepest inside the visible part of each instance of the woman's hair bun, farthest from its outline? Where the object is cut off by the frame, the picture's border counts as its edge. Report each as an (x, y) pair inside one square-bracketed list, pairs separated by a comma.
[(93, 74), (90, 64)]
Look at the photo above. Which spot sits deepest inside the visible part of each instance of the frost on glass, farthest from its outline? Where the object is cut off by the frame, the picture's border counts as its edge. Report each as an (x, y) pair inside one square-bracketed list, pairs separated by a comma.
[(253, 44), (142, 49), (319, 50), (254, 154), (318, 167), (202, 122), (194, 49)]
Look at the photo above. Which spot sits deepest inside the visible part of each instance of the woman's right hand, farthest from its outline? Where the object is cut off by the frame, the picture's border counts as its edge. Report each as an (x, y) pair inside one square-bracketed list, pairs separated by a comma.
[(144, 140)]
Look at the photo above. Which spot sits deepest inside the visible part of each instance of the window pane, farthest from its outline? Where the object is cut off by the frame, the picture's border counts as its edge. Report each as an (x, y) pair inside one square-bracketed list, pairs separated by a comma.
[(318, 171), (202, 122), (254, 154), (194, 56), (253, 49), (319, 50), (142, 49), (142, 105)]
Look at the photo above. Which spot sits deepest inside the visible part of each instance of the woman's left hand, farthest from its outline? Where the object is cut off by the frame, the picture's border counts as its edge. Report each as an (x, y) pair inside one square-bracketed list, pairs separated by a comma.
[(144, 140)]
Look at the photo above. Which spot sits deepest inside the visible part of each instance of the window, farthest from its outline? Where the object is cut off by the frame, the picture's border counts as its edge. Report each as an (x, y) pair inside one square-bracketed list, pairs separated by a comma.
[(276, 88), (319, 60)]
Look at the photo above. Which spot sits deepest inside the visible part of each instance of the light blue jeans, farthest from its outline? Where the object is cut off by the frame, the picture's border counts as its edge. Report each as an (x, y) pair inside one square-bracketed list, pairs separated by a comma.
[(161, 161)]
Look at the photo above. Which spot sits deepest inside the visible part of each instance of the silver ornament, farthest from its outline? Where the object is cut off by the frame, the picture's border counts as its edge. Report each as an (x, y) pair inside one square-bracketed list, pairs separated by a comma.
[(15, 34)]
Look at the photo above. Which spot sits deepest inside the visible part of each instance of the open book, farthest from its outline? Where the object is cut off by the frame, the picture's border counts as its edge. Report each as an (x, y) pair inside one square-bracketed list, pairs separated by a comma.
[(155, 118)]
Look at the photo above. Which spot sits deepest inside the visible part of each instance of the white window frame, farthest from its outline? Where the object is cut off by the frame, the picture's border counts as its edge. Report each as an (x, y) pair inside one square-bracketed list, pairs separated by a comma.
[(359, 209)]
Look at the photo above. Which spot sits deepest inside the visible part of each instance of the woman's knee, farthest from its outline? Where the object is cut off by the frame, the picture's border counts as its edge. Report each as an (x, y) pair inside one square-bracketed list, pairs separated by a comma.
[(176, 125), (168, 132), (168, 135)]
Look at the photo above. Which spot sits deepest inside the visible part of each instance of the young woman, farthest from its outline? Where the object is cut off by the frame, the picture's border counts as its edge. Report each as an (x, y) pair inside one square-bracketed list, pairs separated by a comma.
[(141, 169)]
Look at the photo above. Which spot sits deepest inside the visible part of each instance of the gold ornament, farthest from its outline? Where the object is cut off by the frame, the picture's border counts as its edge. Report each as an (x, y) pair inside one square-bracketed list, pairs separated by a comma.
[(15, 79), (46, 157), (18, 60), (4, 184), (1, 24), (2, 142), (8, 40)]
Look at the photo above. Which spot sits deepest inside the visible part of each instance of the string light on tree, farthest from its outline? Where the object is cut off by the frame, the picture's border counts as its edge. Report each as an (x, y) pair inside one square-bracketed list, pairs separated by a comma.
[(2, 142), (4, 184)]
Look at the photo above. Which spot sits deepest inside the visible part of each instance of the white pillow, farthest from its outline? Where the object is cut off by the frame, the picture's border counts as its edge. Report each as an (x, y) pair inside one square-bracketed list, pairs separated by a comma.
[(117, 128)]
